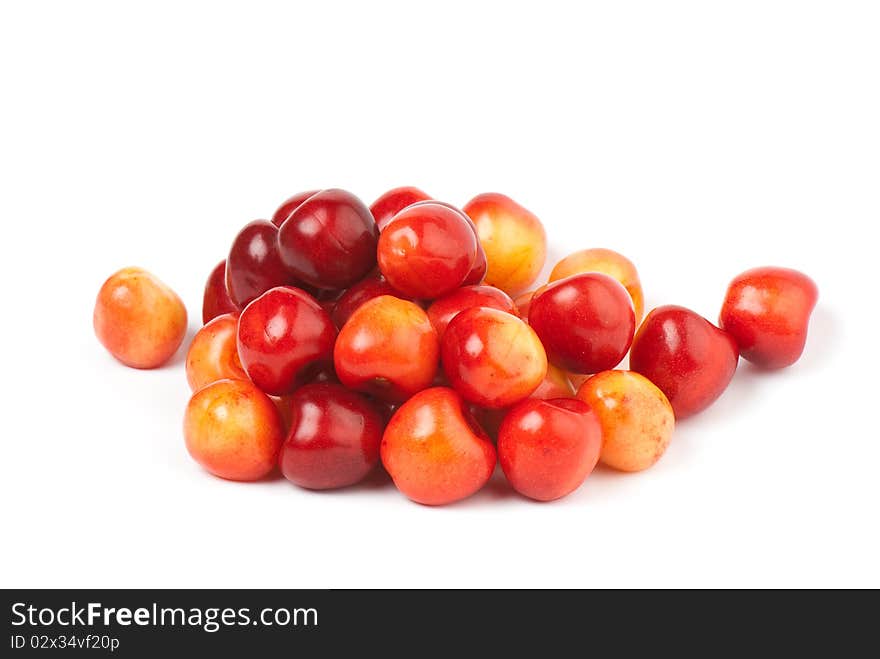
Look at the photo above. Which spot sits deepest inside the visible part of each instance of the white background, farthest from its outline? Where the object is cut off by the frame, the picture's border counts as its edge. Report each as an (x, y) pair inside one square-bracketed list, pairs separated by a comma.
[(700, 139)]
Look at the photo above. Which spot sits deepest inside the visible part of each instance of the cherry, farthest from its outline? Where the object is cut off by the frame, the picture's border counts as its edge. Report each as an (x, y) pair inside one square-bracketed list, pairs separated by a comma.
[(443, 310), (213, 353), (636, 418), (334, 437), (388, 349), (282, 335), (233, 430), (492, 358), (513, 239), (607, 262), (585, 322), (329, 241), (216, 300), (253, 265), (435, 451), (767, 310), (686, 356), (392, 202), (139, 319), (547, 448), (478, 270), (373, 285), (427, 251), (286, 209)]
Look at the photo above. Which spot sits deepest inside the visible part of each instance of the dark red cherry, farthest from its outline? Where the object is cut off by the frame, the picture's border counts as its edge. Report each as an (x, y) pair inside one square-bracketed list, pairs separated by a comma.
[(290, 205), (334, 437), (329, 241), (253, 265)]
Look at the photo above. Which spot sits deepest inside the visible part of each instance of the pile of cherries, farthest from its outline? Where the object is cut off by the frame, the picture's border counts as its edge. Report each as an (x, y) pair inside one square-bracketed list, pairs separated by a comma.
[(338, 336)]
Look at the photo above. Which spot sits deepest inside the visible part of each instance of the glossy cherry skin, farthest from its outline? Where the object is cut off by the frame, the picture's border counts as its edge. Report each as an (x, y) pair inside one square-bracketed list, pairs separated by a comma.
[(213, 353), (480, 265), (253, 265), (284, 210), (443, 310), (513, 238), (282, 336), (392, 202), (427, 250), (388, 349), (689, 359), (139, 319), (233, 430), (767, 310), (492, 358), (608, 262), (216, 300), (329, 241), (435, 451), (586, 322), (547, 448), (366, 289), (334, 437)]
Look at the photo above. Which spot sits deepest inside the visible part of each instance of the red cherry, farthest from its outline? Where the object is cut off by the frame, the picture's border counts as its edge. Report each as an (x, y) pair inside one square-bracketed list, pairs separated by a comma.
[(767, 310), (394, 201), (689, 359), (427, 251), (442, 311), (366, 289), (547, 448), (586, 322), (281, 336), (216, 300), (284, 210), (334, 437), (253, 265), (329, 241), (478, 270)]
